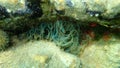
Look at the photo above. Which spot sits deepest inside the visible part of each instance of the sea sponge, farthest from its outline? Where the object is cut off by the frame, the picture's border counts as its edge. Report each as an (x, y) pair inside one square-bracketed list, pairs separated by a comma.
[(3, 40), (63, 33)]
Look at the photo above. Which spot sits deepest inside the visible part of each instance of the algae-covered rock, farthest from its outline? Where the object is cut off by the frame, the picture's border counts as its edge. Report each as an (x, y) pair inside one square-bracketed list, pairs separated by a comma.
[(13, 5), (17, 8), (4, 39), (75, 8), (100, 11), (15, 15)]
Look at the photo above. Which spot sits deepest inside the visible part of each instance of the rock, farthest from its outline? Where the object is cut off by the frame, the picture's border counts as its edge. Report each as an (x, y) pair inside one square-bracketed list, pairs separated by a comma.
[(28, 8), (104, 12), (37, 54), (102, 54), (13, 5), (77, 7), (15, 15), (64, 60)]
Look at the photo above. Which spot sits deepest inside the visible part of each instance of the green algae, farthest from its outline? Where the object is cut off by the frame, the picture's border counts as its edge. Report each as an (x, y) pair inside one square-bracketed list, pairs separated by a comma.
[(4, 40)]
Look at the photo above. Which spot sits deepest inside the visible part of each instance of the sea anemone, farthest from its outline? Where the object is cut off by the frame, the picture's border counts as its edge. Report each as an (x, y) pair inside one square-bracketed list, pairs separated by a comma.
[(3, 40), (63, 33)]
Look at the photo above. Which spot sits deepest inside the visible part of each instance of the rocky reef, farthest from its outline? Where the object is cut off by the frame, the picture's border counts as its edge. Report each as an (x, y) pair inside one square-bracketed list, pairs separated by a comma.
[(59, 34)]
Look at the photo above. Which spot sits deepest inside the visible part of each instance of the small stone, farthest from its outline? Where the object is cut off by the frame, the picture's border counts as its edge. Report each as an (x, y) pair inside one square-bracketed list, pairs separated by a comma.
[(41, 59)]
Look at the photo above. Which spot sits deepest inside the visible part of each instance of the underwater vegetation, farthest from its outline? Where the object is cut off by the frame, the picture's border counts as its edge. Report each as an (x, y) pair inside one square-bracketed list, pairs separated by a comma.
[(63, 33), (4, 40)]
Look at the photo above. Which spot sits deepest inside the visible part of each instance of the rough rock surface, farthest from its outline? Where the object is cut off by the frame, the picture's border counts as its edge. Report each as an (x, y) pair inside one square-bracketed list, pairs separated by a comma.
[(102, 54), (102, 11), (109, 8), (37, 54)]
